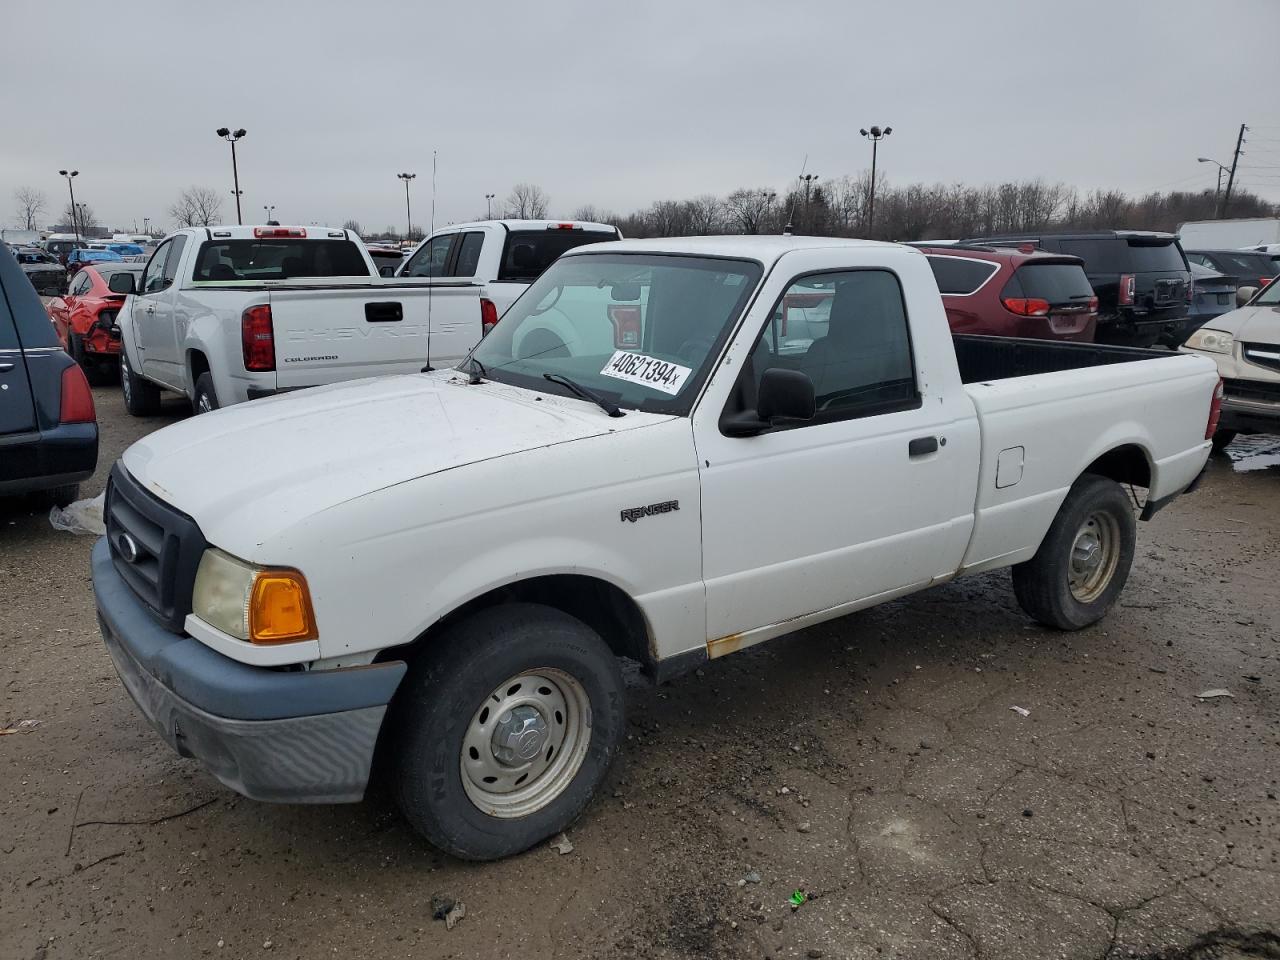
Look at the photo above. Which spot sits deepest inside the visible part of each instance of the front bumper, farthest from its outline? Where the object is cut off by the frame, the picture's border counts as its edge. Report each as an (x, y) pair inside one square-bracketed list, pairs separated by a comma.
[(281, 736), (1247, 417)]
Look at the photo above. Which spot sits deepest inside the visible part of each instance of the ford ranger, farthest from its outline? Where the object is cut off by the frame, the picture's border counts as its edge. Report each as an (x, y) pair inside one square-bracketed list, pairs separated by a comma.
[(228, 314), (642, 460)]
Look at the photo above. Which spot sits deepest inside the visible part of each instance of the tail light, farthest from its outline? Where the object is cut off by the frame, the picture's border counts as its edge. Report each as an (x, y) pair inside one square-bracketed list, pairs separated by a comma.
[(1027, 306), (1093, 304), (1215, 412), (258, 338), (626, 325), (77, 399), (277, 233), (1264, 280), (1128, 289), (488, 316)]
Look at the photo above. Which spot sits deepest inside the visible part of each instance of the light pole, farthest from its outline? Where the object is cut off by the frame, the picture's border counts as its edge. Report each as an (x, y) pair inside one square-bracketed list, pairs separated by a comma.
[(406, 177), (488, 205), (1221, 170), (231, 138), (146, 226), (271, 209), (875, 135), (808, 179), (84, 221), (75, 226)]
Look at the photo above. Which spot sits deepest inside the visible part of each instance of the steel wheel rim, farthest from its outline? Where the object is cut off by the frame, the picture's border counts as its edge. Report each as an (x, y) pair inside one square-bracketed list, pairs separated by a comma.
[(1095, 554), (525, 743)]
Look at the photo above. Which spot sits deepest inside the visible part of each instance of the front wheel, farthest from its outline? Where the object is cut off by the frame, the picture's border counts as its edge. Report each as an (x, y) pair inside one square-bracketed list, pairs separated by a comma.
[(1084, 559), (504, 729)]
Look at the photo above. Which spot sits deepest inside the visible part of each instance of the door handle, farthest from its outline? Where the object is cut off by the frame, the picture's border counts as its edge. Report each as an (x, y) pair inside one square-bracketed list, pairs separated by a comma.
[(151, 308), (921, 446)]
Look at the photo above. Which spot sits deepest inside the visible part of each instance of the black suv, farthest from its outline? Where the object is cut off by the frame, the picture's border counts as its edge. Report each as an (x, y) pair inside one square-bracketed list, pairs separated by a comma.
[(1141, 279), (48, 431)]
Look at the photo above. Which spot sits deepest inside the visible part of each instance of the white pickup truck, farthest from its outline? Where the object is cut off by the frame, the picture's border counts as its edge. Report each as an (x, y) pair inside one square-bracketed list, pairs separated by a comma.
[(504, 256), (447, 565), (228, 314)]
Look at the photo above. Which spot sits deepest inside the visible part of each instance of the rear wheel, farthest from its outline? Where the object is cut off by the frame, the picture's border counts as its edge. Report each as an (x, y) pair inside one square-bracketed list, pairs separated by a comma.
[(141, 397), (206, 398), (1084, 560), (504, 729), (1222, 439)]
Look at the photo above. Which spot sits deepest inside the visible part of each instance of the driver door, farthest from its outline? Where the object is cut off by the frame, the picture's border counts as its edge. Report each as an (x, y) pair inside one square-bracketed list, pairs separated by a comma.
[(154, 332)]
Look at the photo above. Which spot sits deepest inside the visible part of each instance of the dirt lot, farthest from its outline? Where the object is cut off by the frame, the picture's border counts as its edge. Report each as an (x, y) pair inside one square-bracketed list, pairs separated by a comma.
[(873, 763)]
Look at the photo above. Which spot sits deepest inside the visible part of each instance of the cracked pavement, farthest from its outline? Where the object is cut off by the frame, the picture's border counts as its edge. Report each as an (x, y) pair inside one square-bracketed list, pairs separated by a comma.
[(873, 763)]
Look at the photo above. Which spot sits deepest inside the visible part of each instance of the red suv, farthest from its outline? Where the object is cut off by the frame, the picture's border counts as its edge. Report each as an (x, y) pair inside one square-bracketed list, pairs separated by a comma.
[(1014, 292)]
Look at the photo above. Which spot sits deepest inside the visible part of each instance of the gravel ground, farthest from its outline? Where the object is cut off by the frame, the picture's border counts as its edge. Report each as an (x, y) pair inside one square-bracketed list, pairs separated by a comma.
[(873, 763)]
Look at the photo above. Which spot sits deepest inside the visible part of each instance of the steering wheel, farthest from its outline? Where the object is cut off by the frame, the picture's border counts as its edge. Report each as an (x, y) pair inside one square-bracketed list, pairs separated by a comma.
[(689, 350)]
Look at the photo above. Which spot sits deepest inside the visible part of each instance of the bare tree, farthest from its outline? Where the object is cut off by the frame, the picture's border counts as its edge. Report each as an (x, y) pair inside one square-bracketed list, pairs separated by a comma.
[(748, 210), (527, 201), (30, 202), (704, 215), (590, 213), (197, 207), (81, 216), (353, 226)]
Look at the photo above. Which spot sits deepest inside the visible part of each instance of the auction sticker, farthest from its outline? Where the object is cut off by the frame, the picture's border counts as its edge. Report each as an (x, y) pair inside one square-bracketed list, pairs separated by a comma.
[(647, 371)]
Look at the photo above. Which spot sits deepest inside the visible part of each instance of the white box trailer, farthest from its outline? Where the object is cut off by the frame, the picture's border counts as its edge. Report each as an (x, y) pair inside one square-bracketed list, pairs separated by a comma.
[(1229, 234)]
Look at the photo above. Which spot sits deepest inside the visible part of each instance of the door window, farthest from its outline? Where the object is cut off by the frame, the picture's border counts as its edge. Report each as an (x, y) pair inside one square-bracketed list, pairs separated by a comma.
[(175, 256), (469, 255), (432, 258), (854, 344), (80, 285), (153, 276)]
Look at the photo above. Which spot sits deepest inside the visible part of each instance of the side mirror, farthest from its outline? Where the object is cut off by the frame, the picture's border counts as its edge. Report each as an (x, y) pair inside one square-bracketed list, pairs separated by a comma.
[(1245, 294), (122, 282), (784, 395)]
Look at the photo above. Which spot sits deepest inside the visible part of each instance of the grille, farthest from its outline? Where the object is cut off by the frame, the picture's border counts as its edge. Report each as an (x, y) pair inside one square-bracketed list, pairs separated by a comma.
[(1256, 391), (1263, 354), (155, 548)]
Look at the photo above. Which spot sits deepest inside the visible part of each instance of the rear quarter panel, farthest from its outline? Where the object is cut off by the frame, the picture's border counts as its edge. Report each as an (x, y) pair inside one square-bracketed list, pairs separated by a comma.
[(1064, 422)]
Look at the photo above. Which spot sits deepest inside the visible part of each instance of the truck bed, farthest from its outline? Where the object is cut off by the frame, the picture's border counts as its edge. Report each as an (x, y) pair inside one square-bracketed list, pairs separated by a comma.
[(984, 359)]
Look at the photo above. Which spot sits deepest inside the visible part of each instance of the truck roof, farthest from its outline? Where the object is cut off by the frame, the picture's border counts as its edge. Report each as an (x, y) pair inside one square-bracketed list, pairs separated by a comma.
[(278, 231), (765, 249), (532, 225)]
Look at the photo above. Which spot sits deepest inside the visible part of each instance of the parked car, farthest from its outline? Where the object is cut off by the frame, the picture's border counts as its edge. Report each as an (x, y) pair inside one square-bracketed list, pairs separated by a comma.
[(84, 319), (48, 429), (1214, 295), (84, 255), (1015, 292), (228, 314), (60, 246), (47, 276), (449, 563), (1245, 345), (1141, 279), (1229, 234), (386, 259), (504, 256), (1250, 267)]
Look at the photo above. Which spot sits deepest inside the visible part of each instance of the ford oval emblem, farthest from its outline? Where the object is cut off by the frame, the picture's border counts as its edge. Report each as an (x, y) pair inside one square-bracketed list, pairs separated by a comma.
[(128, 547)]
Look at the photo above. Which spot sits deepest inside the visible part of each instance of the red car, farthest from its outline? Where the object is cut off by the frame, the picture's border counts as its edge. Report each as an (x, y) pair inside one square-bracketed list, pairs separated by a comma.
[(85, 319), (1014, 292)]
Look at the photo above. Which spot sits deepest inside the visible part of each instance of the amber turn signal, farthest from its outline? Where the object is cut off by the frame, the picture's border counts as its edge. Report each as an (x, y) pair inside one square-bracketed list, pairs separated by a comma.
[(280, 608)]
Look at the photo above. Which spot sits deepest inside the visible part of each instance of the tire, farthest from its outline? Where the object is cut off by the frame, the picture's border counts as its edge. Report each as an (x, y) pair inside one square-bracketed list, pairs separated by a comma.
[(441, 711), (205, 399), (141, 397), (1222, 439), (1097, 513), (75, 347)]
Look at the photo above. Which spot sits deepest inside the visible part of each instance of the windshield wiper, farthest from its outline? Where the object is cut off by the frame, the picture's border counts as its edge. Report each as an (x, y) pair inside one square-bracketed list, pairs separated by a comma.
[(475, 369), (608, 406)]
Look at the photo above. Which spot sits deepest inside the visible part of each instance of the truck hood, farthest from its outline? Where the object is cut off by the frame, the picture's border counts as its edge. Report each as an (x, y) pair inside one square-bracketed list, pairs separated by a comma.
[(266, 465), (1257, 324)]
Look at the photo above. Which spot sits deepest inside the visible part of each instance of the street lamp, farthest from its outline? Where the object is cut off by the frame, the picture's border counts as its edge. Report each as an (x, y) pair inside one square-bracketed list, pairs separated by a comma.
[(84, 220), (808, 179), (1221, 170), (271, 209), (875, 135), (488, 205), (406, 177), (231, 138), (75, 226)]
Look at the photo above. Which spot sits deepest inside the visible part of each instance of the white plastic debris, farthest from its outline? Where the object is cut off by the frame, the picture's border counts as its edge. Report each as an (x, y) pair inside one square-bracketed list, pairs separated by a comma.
[(562, 845), (1214, 694), (83, 516), (1021, 711)]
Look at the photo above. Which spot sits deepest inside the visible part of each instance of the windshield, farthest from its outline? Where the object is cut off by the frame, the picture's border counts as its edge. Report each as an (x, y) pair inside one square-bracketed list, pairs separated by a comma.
[(640, 330)]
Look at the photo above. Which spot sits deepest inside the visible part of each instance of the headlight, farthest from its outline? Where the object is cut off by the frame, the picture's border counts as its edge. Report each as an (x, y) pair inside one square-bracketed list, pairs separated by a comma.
[(1211, 341), (259, 604)]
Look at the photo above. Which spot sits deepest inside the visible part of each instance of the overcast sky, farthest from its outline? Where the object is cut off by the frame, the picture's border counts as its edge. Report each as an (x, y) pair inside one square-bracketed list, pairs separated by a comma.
[(620, 106)]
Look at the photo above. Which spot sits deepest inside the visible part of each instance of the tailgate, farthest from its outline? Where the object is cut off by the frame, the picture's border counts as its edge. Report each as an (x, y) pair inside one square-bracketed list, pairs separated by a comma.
[(325, 336)]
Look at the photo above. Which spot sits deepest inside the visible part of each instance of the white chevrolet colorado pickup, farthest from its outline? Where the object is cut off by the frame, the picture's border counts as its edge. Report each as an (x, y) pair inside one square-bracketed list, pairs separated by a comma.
[(503, 256), (228, 314), (644, 459)]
